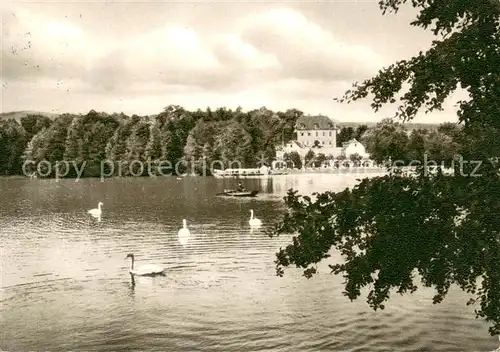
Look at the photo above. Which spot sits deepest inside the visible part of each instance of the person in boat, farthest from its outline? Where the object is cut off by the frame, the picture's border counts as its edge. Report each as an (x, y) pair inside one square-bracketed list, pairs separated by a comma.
[(240, 187)]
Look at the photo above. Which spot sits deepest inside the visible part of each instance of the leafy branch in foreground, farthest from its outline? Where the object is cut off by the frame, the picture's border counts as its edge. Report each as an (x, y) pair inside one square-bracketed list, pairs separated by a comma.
[(391, 230), (466, 57), (445, 230)]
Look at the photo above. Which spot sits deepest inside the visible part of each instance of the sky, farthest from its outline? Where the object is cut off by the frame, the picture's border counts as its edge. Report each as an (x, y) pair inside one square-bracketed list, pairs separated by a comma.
[(138, 57)]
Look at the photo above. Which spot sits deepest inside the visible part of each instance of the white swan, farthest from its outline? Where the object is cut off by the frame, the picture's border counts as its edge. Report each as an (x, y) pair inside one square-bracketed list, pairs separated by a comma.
[(97, 211), (254, 221), (183, 233), (145, 270)]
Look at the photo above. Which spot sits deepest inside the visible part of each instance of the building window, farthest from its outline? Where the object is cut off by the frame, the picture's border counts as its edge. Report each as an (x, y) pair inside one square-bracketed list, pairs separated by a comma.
[(323, 142), (316, 126), (302, 134), (330, 134), (316, 134), (309, 133), (323, 134), (330, 142)]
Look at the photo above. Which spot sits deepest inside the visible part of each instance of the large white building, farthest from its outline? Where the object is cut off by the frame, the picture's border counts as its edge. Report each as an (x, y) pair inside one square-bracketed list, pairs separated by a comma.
[(319, 134), (320, 130)]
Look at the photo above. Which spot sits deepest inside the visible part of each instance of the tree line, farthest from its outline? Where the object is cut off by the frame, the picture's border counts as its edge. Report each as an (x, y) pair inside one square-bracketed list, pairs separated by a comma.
[(175, 135), (194, 140)]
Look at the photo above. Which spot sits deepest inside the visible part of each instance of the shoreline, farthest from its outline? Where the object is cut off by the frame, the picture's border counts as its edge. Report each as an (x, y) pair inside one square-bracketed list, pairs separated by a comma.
[(303, 172), (353, 170)]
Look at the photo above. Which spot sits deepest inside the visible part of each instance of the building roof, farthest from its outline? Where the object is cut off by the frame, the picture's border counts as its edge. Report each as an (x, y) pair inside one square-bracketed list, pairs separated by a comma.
[(297, 143), (345, 144), (318, 122)]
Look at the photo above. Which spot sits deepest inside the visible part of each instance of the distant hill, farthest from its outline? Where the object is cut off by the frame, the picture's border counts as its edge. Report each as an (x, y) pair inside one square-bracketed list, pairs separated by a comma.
[(410, 126), (17, 115)]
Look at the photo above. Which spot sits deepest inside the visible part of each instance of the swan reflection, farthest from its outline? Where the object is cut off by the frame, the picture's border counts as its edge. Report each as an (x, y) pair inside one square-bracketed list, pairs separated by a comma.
[(131, 286), (97, 217)]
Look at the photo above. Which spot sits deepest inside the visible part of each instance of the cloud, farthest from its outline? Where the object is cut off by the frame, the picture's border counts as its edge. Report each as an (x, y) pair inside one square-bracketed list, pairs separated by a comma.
[(33, 46), (231, 49), (306, 50), (277, 58), (279, 44), (178, 56), (171, 55)]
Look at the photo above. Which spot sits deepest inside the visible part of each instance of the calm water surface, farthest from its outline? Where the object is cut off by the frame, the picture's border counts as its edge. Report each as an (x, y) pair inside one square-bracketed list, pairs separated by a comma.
[(65, 284)]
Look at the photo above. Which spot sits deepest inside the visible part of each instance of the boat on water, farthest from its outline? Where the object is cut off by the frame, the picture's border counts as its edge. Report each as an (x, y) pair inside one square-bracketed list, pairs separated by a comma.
[(236, 193), (279, 172), (262, 171)]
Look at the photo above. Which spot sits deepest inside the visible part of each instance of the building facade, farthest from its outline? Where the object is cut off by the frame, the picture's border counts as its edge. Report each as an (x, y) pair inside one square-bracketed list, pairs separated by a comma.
[(354, 147), (319, 134), (292, 146), (317, 130)]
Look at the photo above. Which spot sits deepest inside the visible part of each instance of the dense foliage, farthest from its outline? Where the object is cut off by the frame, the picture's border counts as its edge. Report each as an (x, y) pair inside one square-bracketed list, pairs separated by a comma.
[(196, 141), (443, 231), (190, 139), (389, 140)]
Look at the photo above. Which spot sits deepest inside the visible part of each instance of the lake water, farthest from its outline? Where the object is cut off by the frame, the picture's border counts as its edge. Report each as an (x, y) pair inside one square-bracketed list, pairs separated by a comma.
[(65, 283)]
